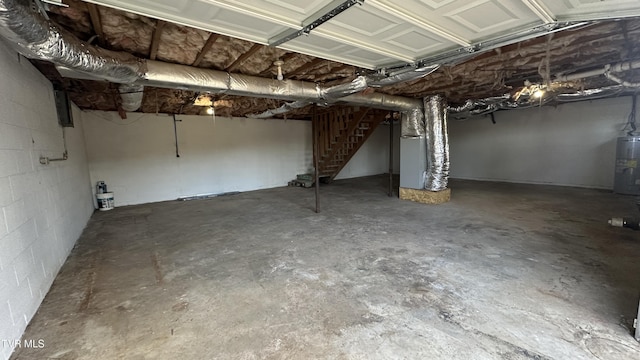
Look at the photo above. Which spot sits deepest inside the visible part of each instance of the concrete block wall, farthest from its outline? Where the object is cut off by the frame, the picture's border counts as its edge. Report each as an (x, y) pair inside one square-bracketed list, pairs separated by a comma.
[(571, 144), (43, 208)]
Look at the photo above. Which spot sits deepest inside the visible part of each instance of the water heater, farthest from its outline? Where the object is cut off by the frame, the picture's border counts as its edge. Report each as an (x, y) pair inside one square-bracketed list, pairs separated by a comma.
[(627, 176)]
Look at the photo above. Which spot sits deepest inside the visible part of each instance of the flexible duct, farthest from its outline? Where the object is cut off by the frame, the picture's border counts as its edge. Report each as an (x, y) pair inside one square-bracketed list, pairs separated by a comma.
[(402, 76), (281, 110), (590, 94), (412, 123), (34, 37), (437, 174), (343, 91), (131, 96)]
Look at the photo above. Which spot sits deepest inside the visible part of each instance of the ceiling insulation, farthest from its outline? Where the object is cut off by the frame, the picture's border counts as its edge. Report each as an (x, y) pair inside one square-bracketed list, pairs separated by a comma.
[(488, 73), (179, 44)]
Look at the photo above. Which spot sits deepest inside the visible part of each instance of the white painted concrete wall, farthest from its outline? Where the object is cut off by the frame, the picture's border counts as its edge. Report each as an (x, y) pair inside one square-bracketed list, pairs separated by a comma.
[(44, 208), (572, 144), (373, 157), (136, 157)]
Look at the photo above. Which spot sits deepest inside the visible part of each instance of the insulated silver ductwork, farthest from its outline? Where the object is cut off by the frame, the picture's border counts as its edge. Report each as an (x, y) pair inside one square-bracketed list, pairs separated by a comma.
[(486, 106), (34, 37), (131, 96), (412, 123), (204, 80), (281, 110), (437, 174), (361, 83), (590, 94)]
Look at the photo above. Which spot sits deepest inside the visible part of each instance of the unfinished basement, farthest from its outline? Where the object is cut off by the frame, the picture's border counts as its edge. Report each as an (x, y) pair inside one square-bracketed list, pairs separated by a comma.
[(327, 179)]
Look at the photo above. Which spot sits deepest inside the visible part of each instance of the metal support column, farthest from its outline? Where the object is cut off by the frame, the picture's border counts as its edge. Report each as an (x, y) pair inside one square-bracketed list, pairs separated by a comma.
[(314, 126), (391, 155)]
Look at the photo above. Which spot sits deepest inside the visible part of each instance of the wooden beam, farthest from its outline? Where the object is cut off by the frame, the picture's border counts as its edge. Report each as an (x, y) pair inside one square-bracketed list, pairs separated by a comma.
[(155, 42), (205, 49), (311, 64), (96, 22), (242, 58)]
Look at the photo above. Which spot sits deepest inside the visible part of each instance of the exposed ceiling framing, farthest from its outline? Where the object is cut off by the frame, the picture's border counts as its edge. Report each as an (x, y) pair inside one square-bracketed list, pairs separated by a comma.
[(155, 42), (404, 33), (205, 49)]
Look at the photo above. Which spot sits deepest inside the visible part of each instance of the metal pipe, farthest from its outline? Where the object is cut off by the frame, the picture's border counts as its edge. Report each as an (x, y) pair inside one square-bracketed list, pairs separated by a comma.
[(175, 133), (391, 155), (316, 155), (44, 160)]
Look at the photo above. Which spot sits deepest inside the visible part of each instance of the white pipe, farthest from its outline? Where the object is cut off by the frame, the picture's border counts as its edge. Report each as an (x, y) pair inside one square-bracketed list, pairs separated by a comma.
[(615, 68)]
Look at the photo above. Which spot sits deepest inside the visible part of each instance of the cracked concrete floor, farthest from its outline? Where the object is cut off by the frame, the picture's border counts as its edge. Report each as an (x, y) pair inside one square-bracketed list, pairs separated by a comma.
[(503, 271)]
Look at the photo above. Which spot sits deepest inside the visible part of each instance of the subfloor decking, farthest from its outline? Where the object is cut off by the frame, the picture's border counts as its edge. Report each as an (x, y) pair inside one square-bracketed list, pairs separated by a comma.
[(503, 271)]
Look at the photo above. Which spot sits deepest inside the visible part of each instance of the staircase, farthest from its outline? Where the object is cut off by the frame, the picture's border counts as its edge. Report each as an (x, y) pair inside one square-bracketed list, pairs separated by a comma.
[(339, 134)]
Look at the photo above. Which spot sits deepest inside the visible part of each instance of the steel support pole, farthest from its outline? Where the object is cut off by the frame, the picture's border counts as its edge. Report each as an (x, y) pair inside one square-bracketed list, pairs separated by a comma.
[(315, 128), (391, 155)]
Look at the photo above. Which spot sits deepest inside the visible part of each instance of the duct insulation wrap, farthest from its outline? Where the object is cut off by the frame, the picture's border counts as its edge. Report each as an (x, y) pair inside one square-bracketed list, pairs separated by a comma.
[(131, 96), (36, 38), (403, 76), (383, 101), (31, 34), (590, 94), (437, 174), (412, 124), (281, 110), (189, 78), (339, 91)]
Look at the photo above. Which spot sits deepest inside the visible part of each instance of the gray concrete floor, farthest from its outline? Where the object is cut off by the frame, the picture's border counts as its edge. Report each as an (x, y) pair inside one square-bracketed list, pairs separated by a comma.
[(503, 271)]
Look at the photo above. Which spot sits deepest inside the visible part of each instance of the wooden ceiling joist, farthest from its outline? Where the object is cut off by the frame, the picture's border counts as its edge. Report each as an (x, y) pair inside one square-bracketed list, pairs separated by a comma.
[(242, 58), (205, 49), (311, 64), (155, 42), (96, 22)]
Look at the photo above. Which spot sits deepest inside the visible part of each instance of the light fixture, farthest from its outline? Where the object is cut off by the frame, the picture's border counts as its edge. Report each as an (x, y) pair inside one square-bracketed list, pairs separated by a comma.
[(538, 94), (210, 110), (279, 64), (203, 100)]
